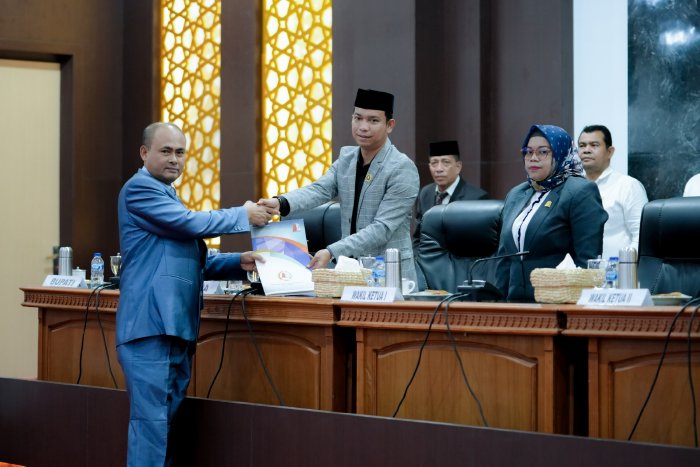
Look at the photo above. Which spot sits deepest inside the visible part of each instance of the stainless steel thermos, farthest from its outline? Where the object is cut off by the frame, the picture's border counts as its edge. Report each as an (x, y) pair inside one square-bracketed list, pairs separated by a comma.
[(65, 261), (392, 262), (627, 268)]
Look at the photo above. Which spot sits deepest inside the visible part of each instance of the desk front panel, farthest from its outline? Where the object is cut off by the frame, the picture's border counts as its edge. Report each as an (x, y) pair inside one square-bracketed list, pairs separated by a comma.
[(509, 354), (289, 350), (308, 359), (625, 347)]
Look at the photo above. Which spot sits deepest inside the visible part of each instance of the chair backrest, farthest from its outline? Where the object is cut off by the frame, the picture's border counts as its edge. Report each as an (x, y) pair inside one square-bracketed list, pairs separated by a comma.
[(452, 237), (669, 246), (322, 225)]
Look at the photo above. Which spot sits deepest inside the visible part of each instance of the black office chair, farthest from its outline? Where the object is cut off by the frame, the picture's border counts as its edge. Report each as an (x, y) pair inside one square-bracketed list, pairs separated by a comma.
[(669, 246), (452, 237), (322, 225)]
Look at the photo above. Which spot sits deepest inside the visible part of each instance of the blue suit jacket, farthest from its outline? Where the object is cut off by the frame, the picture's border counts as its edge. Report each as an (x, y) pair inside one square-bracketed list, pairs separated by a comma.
[(164, 260), (571, 220)]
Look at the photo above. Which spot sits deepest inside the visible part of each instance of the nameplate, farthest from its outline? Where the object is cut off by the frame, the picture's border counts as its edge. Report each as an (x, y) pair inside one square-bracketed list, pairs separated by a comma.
[(212, 288), (615, 297), (370, 294), (74, 282)]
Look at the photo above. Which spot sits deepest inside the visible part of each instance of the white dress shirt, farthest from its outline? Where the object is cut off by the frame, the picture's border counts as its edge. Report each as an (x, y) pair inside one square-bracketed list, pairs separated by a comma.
[(623, 199), (692, 188), (521, 223)]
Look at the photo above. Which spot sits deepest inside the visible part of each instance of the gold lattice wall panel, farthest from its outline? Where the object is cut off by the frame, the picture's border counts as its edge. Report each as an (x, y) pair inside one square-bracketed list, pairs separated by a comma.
[(296, 94), (190, 93)]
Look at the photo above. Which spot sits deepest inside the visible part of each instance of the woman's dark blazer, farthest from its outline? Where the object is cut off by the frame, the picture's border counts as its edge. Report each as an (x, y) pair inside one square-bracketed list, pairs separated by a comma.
[(570, 220)]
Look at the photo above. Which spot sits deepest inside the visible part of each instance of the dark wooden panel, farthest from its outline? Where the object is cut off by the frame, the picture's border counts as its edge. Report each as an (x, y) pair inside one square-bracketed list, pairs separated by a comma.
[(241, 136), (374, 47), (141, 77), (49, 424), (86, 37), (448, 82), (527, 78)]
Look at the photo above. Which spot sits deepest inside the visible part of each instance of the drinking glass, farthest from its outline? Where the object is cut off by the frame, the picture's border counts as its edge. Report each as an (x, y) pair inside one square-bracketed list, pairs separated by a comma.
[(367, 262), (253, 276), (115, 262), (599, 264)]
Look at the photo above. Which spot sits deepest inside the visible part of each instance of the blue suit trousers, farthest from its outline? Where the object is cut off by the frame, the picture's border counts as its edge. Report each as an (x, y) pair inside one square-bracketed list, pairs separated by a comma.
[(157, 371)]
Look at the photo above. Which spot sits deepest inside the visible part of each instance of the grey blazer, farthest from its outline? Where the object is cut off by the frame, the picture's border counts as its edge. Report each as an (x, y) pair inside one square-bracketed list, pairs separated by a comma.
[(385, 203), (571, 220)]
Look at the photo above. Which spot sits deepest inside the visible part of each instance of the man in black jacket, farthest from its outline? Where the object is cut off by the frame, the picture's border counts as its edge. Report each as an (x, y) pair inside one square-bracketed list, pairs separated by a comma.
[(447, 186)]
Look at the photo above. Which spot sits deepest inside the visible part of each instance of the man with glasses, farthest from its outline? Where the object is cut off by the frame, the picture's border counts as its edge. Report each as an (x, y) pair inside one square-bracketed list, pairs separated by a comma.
[(447, 186), (623, 196)]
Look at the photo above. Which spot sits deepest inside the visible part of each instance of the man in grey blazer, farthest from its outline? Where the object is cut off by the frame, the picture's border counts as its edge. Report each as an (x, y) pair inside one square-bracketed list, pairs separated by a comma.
[(447, 186), (375, 183), (164, 265)]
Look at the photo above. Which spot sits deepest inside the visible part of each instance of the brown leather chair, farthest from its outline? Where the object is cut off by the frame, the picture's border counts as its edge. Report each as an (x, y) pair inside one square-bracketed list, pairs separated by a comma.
[(453, 236), (669, 246)]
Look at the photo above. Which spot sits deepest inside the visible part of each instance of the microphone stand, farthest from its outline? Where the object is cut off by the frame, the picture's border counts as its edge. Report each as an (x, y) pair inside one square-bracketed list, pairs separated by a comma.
[(479, 290)]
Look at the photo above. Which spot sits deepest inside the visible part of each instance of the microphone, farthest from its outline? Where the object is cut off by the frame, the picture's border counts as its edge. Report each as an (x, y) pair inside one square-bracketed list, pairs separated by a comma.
[(480, 289)]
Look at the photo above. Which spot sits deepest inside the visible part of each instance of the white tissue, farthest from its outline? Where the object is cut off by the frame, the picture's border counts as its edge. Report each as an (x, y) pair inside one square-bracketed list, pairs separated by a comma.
[(567, 263), (345, 264)]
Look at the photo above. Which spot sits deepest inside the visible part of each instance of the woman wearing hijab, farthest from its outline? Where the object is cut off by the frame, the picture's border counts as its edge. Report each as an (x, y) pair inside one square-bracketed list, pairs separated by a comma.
[(555, 212)]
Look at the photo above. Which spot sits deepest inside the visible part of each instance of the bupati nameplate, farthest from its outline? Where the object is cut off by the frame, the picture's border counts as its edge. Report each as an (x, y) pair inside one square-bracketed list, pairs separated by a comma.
[(74, 282)]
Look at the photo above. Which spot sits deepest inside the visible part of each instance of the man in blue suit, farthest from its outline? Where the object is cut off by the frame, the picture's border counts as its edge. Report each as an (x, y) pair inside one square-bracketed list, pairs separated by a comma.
[(164, 265)]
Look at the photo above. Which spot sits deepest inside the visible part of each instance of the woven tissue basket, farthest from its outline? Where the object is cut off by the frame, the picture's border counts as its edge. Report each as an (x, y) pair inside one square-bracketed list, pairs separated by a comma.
[(563, 285), (330, 283)]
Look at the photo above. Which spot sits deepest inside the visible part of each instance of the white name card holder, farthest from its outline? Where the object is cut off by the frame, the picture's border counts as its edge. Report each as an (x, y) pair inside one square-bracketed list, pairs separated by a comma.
[(615, 297), (213, 288), (73, 282), (370, 294)]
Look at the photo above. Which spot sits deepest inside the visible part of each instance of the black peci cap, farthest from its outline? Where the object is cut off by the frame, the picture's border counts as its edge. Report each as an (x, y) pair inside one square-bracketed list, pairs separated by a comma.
[(444, 148), (375, 100)]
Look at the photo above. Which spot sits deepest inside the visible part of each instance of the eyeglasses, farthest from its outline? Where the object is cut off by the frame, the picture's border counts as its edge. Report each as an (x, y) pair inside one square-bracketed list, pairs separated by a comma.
[(541, 153)]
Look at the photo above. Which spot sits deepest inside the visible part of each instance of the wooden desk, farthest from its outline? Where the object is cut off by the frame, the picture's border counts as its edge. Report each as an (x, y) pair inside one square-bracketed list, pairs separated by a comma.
[(62, 317), (512, 358), (307, 356), (533, 367), (624, 350)]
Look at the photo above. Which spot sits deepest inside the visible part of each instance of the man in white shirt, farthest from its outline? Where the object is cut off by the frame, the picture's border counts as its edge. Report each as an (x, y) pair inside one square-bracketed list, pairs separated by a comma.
[(623, 196), (692, 188)]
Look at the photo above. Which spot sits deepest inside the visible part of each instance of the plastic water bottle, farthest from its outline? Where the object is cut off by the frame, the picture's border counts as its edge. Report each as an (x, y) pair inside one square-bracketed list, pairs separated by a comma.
[(97, 270), (611, 273), (379, 272)]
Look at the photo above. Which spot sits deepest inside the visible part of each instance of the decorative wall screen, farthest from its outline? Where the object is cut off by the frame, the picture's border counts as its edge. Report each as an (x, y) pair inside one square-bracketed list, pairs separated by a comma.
[(296, 93), (191, 91)]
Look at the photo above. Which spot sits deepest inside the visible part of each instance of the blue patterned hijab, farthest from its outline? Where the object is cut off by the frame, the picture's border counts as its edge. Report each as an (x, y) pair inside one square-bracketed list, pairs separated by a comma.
[(565, 158)]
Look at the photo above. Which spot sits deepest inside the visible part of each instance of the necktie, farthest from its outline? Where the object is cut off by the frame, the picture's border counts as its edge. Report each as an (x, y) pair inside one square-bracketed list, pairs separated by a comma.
[(440, 197)]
